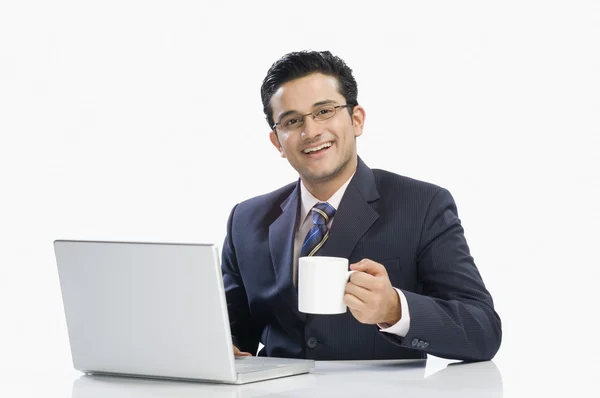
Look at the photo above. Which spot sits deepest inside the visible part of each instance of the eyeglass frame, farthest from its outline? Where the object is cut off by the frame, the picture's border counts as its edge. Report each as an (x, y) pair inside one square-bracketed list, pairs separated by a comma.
[(335, 107)]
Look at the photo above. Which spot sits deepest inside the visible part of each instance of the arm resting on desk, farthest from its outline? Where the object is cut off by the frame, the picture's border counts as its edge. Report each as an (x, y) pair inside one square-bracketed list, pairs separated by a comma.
[(452, 315)]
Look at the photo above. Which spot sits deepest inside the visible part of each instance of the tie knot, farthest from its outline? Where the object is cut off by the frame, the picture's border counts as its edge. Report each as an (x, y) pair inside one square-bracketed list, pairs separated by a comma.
[(322, 213)]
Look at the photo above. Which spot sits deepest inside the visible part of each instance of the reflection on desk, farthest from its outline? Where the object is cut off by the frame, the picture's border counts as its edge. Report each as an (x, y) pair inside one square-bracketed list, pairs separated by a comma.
[(328, 379)]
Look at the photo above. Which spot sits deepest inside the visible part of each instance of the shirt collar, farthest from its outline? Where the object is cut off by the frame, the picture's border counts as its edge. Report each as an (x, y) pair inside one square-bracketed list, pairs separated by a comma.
[(309, 201)]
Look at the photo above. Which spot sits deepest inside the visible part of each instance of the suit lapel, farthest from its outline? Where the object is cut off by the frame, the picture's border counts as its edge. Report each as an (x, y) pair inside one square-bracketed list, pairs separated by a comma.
[(354, 215), (281, 246)]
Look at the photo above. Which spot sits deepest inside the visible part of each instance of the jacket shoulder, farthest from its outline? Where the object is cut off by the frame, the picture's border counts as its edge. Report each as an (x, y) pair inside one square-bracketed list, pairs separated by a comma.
[(387, 181), (265, 206)]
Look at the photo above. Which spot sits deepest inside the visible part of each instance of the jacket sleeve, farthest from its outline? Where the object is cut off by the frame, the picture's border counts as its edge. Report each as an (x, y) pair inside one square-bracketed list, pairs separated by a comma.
[(243, 331), (452, 315)]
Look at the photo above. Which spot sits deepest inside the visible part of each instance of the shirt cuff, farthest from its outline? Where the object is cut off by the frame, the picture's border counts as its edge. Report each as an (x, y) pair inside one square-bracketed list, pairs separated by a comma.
[(403, 325)]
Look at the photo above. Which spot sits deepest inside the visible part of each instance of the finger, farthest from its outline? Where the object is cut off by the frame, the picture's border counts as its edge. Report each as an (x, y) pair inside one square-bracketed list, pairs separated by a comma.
[(353, 302), (358, 291), (363, 279), (238, 353), (370, 267)]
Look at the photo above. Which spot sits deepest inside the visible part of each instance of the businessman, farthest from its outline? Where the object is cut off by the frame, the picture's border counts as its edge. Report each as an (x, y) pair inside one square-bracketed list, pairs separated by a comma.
[(418, 291)]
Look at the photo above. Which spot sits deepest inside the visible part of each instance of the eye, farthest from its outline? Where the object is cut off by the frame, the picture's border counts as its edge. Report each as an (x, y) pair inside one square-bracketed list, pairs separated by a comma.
[(291, 122), (324, 111)]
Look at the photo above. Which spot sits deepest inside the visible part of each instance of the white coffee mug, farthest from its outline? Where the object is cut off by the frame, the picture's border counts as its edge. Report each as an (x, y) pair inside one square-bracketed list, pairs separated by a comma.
[(321, 284)]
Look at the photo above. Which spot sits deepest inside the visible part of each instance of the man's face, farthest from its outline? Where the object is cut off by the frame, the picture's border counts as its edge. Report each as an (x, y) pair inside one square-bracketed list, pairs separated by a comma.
[(337, 134)]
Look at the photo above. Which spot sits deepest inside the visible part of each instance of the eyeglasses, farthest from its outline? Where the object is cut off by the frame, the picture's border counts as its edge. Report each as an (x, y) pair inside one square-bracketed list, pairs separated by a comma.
[(295, 121)]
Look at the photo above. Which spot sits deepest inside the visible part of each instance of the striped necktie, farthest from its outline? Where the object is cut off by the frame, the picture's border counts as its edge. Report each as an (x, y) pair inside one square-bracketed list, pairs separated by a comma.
[(318, 234)]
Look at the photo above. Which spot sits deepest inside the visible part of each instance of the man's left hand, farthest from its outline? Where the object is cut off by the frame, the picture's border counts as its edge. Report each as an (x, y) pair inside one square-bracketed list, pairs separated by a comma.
[(370, 296)]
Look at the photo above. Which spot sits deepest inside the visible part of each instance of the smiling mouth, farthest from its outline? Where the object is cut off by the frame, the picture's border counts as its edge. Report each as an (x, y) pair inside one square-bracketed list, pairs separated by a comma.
[(324, 146)]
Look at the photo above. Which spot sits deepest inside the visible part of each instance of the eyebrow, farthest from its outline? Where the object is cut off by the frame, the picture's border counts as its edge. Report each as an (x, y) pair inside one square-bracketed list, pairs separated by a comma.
[(316, 104)]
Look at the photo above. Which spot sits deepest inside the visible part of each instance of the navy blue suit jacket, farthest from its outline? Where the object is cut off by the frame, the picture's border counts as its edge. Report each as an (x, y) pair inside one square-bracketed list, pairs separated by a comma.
[(409, 226)]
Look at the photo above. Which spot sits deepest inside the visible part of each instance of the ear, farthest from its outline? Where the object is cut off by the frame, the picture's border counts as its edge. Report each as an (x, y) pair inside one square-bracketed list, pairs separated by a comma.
[(358, 120), (275, 141)]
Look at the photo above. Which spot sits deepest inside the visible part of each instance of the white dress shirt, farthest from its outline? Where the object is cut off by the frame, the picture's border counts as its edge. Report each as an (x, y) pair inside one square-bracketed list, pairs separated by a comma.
[(307, 202)]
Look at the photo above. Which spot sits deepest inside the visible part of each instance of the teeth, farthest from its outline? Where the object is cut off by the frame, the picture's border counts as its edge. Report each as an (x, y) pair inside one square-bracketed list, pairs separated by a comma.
[(325, 145)]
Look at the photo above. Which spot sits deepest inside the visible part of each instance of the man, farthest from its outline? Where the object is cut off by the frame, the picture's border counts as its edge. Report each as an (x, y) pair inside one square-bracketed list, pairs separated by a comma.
[(418, 290)]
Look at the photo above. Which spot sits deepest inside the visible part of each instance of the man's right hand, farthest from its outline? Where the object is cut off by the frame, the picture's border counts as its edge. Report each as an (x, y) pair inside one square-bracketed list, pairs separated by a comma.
[(238, 353)]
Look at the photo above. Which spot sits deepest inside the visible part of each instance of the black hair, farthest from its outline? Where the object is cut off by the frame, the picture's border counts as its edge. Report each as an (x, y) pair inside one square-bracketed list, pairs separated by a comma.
[(299, 64)]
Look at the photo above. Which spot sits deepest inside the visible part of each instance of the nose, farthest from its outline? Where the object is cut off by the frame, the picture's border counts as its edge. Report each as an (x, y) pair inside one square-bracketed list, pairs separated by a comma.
[(311, 129)]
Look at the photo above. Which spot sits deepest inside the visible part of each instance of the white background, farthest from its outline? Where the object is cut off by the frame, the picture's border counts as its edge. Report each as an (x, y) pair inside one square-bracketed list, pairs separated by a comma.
[(142, 120)]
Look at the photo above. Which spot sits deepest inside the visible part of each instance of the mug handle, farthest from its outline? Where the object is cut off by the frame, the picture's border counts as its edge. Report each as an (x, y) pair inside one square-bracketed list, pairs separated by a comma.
[(350, 274)]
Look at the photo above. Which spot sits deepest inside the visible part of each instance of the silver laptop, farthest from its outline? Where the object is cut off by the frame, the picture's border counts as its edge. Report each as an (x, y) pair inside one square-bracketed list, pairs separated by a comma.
[(154, 310)]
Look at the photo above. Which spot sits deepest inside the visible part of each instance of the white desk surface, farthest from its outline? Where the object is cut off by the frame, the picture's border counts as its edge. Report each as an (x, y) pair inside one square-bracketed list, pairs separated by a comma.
[(415, 378), (506, 376)]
